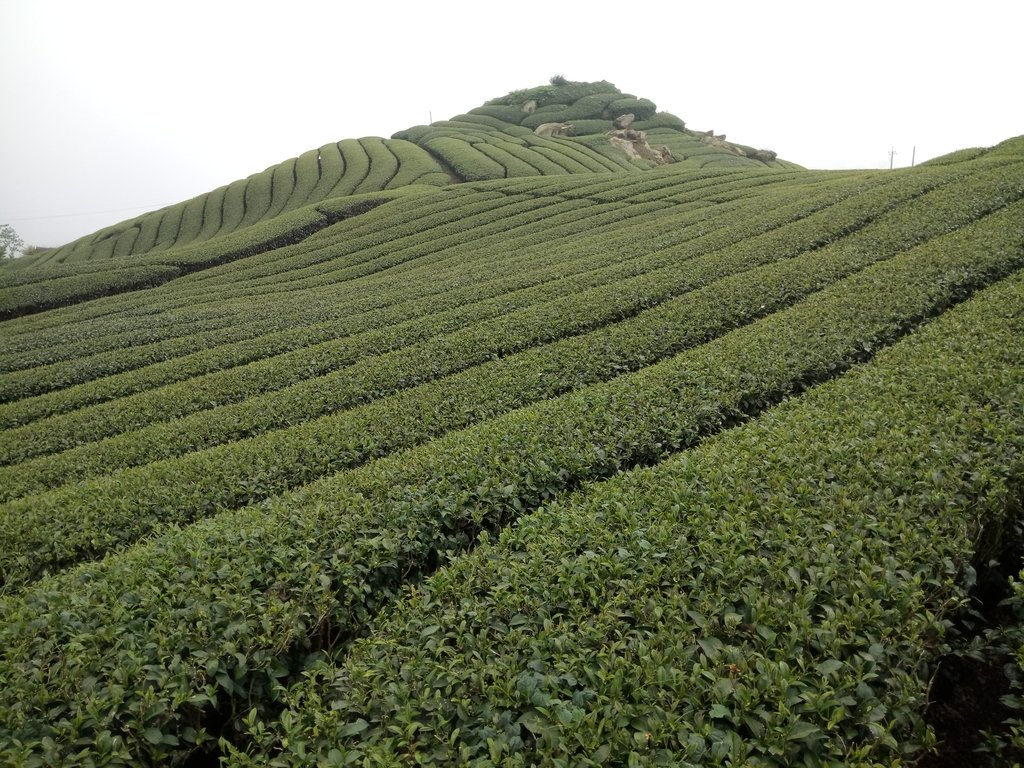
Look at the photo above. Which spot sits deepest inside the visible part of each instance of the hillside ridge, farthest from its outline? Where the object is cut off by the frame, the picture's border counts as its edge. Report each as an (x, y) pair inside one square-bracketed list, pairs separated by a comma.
[(554, 129)]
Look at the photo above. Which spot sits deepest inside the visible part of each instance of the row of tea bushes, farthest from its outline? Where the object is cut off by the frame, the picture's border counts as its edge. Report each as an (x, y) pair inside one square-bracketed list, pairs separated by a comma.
[(777, 596), (132, 658), (928, 216)]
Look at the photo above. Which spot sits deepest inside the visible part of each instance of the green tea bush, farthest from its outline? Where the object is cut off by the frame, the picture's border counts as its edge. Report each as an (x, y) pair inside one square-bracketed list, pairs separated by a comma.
[(282, 187), (513, 166), (332, 169), (766, 599), (470, 164), (566, 93), (383, 166), (377, 379), (103, 250), (534, 159), (592, 162), (959, 156), (170, 224), (415, 166), (258, 194), (307, 175), (149, 226), (213, 215), (357, 167), (191, 223), (585, 127), (57, 292), (593, 107), (660, 120), (504, 113), (555, 113), (125, 242), (641, 109), (560, 156), (387, 521), (478, 120), (234, 206)]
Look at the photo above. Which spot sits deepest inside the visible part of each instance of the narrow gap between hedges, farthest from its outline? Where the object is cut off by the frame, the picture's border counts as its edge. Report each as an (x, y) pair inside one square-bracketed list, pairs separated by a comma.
[(966, 708)]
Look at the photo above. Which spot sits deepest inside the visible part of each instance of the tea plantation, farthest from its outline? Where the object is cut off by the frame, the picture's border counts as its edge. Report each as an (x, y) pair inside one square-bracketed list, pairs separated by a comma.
[(480, 446)]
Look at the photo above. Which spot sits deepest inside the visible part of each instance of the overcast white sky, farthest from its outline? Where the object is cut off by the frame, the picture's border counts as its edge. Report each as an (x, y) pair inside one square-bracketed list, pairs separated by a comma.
[(111, 108)]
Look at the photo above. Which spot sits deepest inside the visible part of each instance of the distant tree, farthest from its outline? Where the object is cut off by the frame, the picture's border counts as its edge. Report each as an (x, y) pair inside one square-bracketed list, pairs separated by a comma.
[(558, 80), (10, 243)]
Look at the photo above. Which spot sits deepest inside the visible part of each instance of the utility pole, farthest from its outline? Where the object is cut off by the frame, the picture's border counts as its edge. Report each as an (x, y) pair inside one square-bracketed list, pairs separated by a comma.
[(913, 154), (892, 153)]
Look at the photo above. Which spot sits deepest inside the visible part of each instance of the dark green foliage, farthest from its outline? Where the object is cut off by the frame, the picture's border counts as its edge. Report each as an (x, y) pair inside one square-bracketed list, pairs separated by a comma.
[(332, 169), (213, 214), (486, 121), (103, 250), (535, 160), (641, 109), (623, 422), (959, 156), (553, 114), (563, 156), (357, 166), (258, 194), (117, 278), (468, 163), (383, 166), (507, 114), (234, 206), (544, 95), (415, 165), (660, 120), (307, 175), (281, 187), (586, 127), (170, 225), (126, 240), (191, 222), (415, 134), (148, 229), (763, 599), (363, 483), (593, 107), (599, 145), (513, 165)]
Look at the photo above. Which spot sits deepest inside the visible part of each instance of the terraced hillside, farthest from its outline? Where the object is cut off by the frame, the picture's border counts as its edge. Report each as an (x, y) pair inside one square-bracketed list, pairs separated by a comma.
[(684, 466), (502, 139)]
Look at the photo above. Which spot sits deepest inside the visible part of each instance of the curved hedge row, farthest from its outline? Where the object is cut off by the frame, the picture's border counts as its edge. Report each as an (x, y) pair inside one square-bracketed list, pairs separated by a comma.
[(388, 520), (763, 599), (668, 229), (379, 376)]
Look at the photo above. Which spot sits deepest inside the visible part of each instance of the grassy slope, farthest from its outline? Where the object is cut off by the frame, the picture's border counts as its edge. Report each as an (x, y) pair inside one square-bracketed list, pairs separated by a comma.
[(225, 475)]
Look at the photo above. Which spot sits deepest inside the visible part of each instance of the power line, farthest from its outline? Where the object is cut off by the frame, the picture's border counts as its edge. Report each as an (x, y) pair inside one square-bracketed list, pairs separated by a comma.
[(87, 213)]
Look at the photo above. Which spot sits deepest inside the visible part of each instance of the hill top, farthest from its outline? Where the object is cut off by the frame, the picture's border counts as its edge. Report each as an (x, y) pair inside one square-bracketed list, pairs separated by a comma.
[(564, 127)]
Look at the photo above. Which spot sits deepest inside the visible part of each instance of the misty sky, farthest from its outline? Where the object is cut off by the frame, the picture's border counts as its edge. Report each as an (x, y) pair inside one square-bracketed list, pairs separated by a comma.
[(113, 108)]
